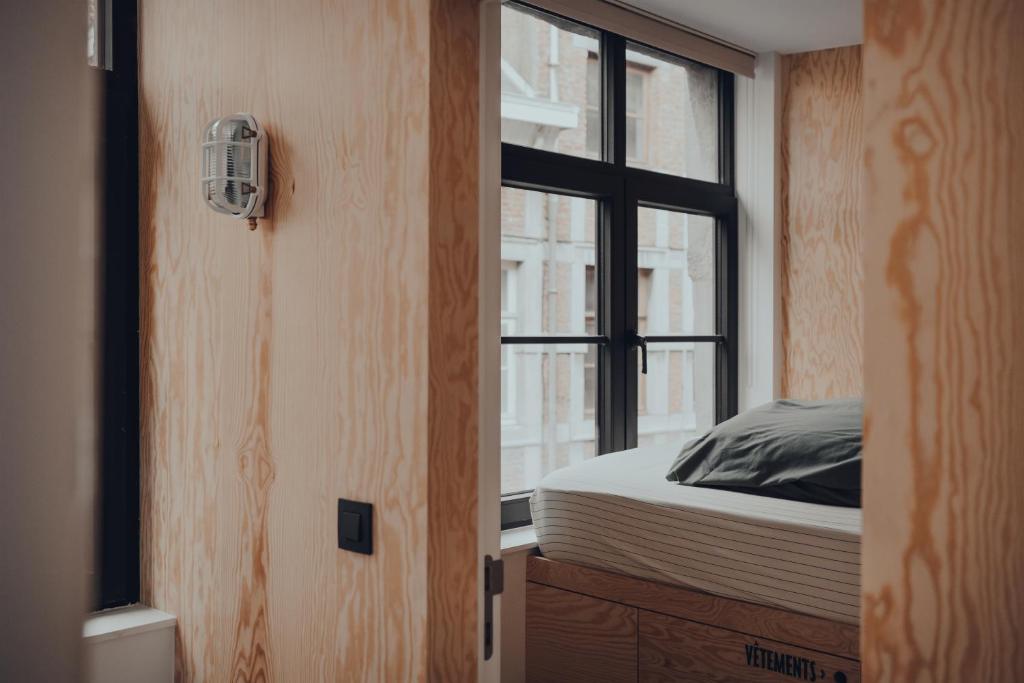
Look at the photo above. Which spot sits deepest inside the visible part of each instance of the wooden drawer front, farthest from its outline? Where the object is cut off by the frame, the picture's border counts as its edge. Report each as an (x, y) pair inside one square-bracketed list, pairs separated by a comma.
[(840, 639), (678, 650), (572, 637)]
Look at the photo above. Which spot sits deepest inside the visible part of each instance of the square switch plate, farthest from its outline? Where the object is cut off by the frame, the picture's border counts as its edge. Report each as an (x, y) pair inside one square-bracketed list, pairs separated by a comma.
[(355, 526)]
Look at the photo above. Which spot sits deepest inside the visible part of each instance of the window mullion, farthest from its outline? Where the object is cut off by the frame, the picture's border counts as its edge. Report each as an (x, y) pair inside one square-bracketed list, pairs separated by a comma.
[(727, 287), (628, 268), (726, 130), (614, 414), (614, 95)]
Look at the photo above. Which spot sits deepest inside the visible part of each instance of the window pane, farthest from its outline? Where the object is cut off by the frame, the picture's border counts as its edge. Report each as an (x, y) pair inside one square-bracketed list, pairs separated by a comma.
[(593, 81), (549, 241), (551, 424), (549, 80), (675, 104), (676, 398), (676, 273), (634, 91), (634, 151), (508, 386), (590, 360)]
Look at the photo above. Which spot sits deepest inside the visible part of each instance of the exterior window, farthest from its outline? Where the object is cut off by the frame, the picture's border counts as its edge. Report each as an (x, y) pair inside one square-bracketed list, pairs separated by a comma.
[(593, 105), (643, 301), (545, 241), (508, 328), (636, 114), (636, 106), (680, 100), (644, 276), (601, 259), (545, 82), (590, 359), (676, 295)]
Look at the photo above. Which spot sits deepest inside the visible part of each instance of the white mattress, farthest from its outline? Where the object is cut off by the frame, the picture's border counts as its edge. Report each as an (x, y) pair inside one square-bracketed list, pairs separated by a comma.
[(618, 512)]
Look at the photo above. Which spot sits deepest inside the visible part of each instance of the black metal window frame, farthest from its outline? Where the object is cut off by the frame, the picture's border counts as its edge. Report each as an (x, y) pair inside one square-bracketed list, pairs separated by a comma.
[(116, 554), (620, 191)]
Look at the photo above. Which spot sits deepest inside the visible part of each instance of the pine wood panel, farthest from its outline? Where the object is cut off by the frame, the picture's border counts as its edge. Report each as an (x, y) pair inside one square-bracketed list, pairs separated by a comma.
[(759, 620), (575, 638), (454, 305), (944, 243), (288, 367), (673, 649), (822, 276)]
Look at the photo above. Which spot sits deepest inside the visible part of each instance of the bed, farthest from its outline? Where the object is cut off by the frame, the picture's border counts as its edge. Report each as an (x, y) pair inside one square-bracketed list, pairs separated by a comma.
[(645, 579)]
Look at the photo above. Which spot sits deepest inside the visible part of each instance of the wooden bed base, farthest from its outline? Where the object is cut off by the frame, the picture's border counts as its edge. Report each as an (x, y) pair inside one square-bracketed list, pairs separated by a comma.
[(585, 624)]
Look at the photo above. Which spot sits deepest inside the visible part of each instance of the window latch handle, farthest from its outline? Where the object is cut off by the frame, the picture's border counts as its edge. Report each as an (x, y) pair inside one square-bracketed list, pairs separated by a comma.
[(641, 343)]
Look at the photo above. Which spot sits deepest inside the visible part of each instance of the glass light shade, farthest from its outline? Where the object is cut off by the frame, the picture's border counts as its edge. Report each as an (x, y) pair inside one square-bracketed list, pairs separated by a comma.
[(235, 166)]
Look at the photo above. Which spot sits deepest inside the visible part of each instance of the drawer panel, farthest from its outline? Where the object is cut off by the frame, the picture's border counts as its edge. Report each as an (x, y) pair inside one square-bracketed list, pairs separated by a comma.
[(672, 649), (572, 637)]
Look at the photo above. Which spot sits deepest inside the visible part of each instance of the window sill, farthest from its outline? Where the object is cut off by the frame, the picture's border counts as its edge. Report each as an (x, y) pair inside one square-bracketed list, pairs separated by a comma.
[(518, 540), (127, 621), (129, 644)]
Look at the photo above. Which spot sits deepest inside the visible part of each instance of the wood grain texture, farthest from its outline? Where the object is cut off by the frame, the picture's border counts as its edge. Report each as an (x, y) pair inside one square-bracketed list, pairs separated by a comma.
[(671, 649), (821, 264), (944, 341), (454, 305), (573, 638), (286, 368), (758, 620)]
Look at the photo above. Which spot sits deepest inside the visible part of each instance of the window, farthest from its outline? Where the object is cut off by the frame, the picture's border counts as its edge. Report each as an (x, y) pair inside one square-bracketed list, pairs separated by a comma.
[(544, 86), (590, 359), (613, 262), (508, 329), (114, 50), (636, 114), (675, 297), (593, 105), (643, 302), (683, 112), (547, 243), (636, 110)]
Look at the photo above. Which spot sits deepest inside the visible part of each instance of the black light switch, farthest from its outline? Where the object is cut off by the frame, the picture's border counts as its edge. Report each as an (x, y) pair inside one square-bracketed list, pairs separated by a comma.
[(350, 526), (355, 526)]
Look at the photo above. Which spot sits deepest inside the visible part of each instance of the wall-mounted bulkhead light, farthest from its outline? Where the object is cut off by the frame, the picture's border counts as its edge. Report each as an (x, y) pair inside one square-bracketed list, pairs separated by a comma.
[(235, 167)]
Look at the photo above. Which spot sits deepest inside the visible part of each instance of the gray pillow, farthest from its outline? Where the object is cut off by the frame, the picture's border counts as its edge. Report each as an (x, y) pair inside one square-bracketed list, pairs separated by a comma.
[(798, 450)]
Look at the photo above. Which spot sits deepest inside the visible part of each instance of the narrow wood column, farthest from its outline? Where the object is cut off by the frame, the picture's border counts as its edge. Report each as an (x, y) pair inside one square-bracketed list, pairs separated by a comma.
[(943, 572)]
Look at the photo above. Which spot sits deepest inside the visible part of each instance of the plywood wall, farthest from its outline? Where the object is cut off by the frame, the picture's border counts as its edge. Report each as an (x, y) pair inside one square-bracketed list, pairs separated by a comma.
[(288, 367), (943, 560), (453, 396), (822, 279)]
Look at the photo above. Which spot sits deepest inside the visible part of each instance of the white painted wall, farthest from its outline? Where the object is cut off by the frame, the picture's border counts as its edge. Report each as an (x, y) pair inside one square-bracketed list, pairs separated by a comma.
[(47, 338), (764, 26), (758, 121)]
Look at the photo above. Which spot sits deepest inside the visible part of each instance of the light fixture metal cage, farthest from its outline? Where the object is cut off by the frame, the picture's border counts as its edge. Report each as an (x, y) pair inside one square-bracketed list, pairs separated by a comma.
[(234, 172)]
